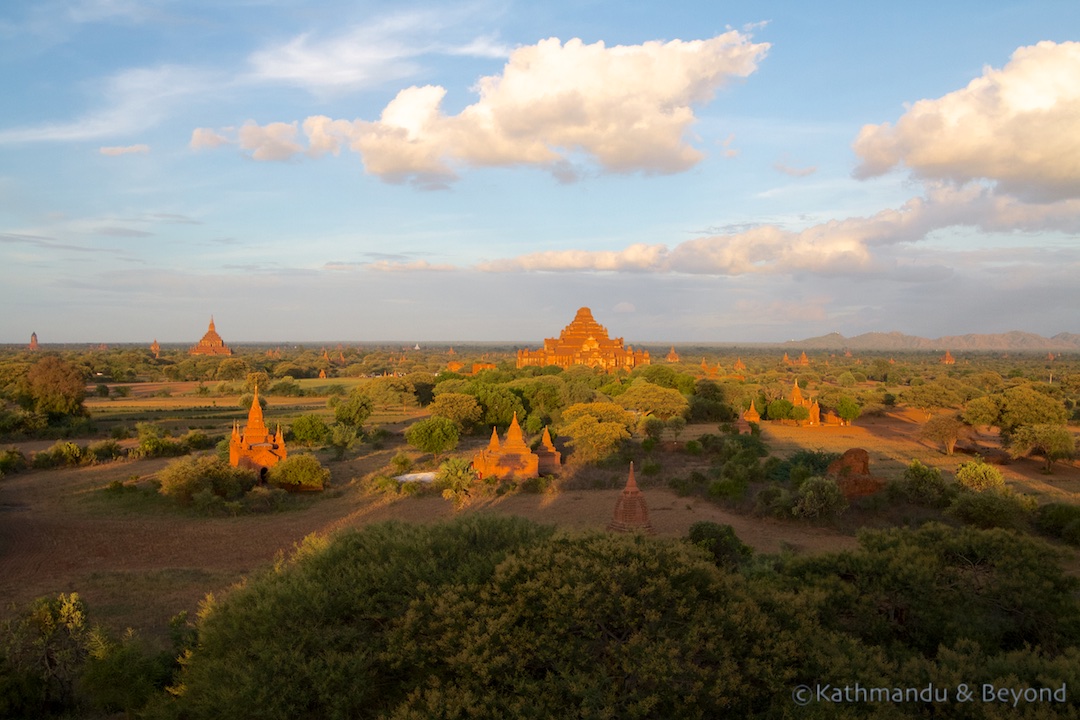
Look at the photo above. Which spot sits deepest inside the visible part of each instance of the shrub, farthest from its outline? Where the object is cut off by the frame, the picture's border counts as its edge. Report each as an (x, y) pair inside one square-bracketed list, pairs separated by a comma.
[(197, 440), (650, 467), (925, 486), (12, 460), (299, 472), (120, 432), (979, 476), (819, 497), (401, 464), (693, 447), (538, 485), (61, 453), (262, 499), (153, 443), (728, 488), (183, 479), (104, 451), (997, 508), (775, 501), (1059, 520)]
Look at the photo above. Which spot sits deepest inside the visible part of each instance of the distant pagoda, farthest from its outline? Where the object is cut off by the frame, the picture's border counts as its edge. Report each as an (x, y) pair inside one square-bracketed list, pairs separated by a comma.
[(33, 341), (211, 343)]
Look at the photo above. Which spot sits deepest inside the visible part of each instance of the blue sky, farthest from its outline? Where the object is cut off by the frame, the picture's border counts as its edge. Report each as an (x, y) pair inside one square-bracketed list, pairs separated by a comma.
[(693, 171)]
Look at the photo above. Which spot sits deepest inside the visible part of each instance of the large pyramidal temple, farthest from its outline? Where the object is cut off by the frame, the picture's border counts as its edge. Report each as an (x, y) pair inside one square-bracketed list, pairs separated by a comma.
[(584, 342), (211, 343)]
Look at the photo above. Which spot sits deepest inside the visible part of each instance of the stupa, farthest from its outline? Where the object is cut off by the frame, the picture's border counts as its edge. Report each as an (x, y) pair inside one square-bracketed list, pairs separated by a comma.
[(672, 356), (550, 458), (211, 343), (631, 513), (948, 359), (255, 447), (584, 342), (33, 341), (155, 347)]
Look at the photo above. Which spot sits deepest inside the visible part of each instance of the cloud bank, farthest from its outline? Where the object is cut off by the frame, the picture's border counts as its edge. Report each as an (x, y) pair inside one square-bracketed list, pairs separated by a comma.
[(852, 245), (624, 108), (1018, 126)]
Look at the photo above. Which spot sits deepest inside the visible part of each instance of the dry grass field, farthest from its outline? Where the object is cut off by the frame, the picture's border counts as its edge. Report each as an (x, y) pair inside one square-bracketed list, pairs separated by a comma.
[(138, 561)]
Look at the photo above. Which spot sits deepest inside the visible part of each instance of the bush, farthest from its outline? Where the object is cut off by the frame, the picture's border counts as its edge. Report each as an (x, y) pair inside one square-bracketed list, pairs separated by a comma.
[(261, 499), (998, 508), (775, 501), (401, 464), (104, 451), (693, 447), (650, 467), (60, 454), (298, 472), (979, 476), (819, 497), (197, 440), (12, 460), (925, 486), (728, 488), (183, 479), (1059, 520), (153, 443)]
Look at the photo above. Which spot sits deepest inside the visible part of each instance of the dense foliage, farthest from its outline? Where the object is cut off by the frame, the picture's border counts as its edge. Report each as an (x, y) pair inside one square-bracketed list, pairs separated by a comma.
[(496, 617)]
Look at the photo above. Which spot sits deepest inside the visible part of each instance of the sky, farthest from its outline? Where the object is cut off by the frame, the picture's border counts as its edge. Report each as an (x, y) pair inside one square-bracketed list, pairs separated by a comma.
[(476, 171)]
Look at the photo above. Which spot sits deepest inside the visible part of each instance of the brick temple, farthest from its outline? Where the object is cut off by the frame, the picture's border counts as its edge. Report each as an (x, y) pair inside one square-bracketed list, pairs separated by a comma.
[(584, 342), (512, 459), (631, 514), (255, 447), (211, 343)]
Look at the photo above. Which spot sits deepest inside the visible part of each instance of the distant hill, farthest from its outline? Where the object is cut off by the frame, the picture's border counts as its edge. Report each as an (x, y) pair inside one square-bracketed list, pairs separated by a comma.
[(1014, 341)]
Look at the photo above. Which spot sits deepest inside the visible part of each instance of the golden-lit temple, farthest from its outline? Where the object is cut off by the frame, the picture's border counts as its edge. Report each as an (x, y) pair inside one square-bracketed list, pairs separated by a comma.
[(211, 343), (509, 460), (584, 342), (255, 447)]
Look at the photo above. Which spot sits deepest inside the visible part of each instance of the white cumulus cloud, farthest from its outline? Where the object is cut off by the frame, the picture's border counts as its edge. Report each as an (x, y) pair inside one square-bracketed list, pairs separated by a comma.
[(1018, 126), (627, 108)]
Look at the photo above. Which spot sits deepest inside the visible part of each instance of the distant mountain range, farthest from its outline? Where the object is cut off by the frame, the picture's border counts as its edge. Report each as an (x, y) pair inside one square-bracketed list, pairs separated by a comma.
[(1014, 341)]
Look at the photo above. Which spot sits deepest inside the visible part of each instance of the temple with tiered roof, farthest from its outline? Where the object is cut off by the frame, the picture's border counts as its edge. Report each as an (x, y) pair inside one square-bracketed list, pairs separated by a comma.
[(255, 447), (584, 342), (211, 343), (512, 459)]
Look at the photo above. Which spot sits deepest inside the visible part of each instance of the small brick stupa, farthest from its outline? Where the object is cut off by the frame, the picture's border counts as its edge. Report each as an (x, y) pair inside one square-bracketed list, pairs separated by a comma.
[(211, 343), (550, 458), (510, 460), (255, 447), (33, 341), (631, 513), (155, 348)]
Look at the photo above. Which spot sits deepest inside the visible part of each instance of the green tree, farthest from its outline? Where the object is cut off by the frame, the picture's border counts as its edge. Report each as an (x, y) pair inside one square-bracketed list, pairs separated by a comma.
[(354, 410), (310, 429), (459, 407), (593, 439), (342, 439), (299, 472), (390, 392), (55, 388), (1023, 405), (944, 429), (1052, 442), (983, 411), (435, 435), (928, 396), (644, 397), (847, 409)]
